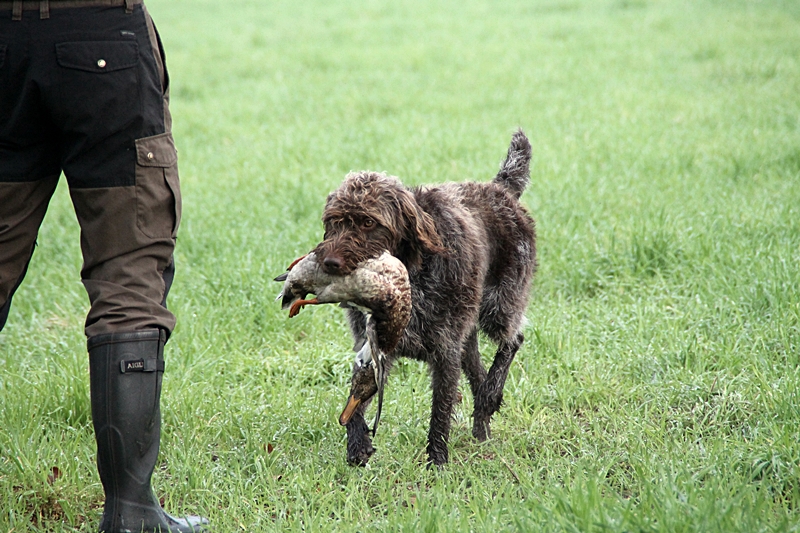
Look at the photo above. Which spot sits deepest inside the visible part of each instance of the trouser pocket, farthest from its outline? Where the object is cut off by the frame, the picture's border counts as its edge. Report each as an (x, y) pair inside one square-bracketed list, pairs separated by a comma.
[(158, 194)]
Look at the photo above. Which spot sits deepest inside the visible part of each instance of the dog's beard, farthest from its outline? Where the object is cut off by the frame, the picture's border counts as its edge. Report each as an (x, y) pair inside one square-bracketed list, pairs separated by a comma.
[(352, 249)]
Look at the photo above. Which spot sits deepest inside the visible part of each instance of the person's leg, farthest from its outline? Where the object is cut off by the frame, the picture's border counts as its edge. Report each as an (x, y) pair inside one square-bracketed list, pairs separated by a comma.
[(29, 162), (126, 372), (120, 162), (22, 208), (105, 89)]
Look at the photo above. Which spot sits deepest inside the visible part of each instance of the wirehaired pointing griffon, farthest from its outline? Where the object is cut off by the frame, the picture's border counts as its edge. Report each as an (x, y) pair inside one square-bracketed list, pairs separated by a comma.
[(470, 252)]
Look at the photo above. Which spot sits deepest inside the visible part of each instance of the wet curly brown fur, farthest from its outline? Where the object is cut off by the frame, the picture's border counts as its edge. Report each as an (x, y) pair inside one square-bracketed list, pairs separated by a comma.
[(470, 251)]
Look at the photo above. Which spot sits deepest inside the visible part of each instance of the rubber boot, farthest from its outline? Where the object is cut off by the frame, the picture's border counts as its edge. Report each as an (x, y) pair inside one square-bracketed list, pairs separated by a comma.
[(126, 371)]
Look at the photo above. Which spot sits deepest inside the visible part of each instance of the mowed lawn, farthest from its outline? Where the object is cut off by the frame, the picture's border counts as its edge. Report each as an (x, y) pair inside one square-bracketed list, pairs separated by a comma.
[(658, 388)]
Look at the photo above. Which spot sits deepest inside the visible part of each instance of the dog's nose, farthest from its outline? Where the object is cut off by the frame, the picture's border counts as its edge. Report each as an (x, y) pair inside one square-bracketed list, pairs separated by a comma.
[(331, 264)]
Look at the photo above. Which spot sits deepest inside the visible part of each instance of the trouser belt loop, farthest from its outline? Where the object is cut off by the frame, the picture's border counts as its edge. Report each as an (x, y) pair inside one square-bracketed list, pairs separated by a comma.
[(129, 6), (44, 9), (16, 10)]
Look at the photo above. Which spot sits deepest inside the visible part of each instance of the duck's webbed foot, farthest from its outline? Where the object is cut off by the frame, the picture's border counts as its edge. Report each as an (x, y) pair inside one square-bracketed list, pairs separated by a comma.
[(299, 304)]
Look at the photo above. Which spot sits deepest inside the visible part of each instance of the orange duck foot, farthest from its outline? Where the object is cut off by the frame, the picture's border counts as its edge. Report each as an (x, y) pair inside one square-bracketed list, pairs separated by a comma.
[(299, 304)]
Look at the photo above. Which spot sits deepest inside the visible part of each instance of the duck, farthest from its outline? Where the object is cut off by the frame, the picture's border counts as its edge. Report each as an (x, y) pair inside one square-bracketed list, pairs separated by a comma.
[(380, 289)]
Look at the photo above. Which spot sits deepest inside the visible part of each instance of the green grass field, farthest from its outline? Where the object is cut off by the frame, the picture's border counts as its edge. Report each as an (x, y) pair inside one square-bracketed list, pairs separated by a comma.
[(658, 389)]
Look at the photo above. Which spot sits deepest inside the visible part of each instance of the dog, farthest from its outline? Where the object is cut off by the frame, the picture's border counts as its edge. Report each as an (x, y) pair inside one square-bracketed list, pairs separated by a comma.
[(470, 252)]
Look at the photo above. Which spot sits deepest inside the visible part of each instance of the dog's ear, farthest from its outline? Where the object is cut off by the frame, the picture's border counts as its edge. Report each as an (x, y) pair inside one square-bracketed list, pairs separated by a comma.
[(418, 234)]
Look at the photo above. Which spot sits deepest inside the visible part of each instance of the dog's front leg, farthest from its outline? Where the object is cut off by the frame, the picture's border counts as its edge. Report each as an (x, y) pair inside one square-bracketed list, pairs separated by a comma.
[(359, 444), (445, 373), (362, 391)]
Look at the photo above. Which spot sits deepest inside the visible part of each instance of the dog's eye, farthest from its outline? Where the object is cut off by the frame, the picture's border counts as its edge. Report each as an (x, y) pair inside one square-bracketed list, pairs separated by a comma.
[(368, 223)]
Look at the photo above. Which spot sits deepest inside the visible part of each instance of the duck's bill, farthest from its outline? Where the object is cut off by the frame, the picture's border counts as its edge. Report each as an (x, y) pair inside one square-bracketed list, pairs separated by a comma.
[(349, 410)]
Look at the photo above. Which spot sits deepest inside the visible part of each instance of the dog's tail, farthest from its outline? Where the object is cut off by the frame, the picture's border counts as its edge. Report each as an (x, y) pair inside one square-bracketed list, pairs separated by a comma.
[(514, 173)]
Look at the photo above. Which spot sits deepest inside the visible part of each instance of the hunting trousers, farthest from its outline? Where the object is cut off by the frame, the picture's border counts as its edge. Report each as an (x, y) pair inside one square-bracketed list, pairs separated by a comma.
[(84, 90)]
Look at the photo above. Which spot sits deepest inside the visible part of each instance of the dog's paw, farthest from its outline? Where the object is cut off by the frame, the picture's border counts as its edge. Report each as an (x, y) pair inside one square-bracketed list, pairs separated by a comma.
[(359, 445), (438, 454), (358, 454), (481, 429)]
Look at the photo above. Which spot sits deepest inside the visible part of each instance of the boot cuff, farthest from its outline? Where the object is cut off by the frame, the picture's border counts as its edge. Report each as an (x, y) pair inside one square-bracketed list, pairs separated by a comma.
[(128, 336)]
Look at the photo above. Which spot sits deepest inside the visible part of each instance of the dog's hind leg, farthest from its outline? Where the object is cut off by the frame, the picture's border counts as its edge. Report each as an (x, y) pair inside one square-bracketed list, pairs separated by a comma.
[(471, 363), (444, 383), (490, 393)]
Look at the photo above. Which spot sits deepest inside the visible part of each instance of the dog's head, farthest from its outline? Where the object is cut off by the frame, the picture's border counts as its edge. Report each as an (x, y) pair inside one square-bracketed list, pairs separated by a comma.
[(369, 213)]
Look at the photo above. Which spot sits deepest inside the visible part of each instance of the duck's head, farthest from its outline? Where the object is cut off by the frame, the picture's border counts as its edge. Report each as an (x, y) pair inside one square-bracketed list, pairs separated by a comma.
[(362, 388)]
